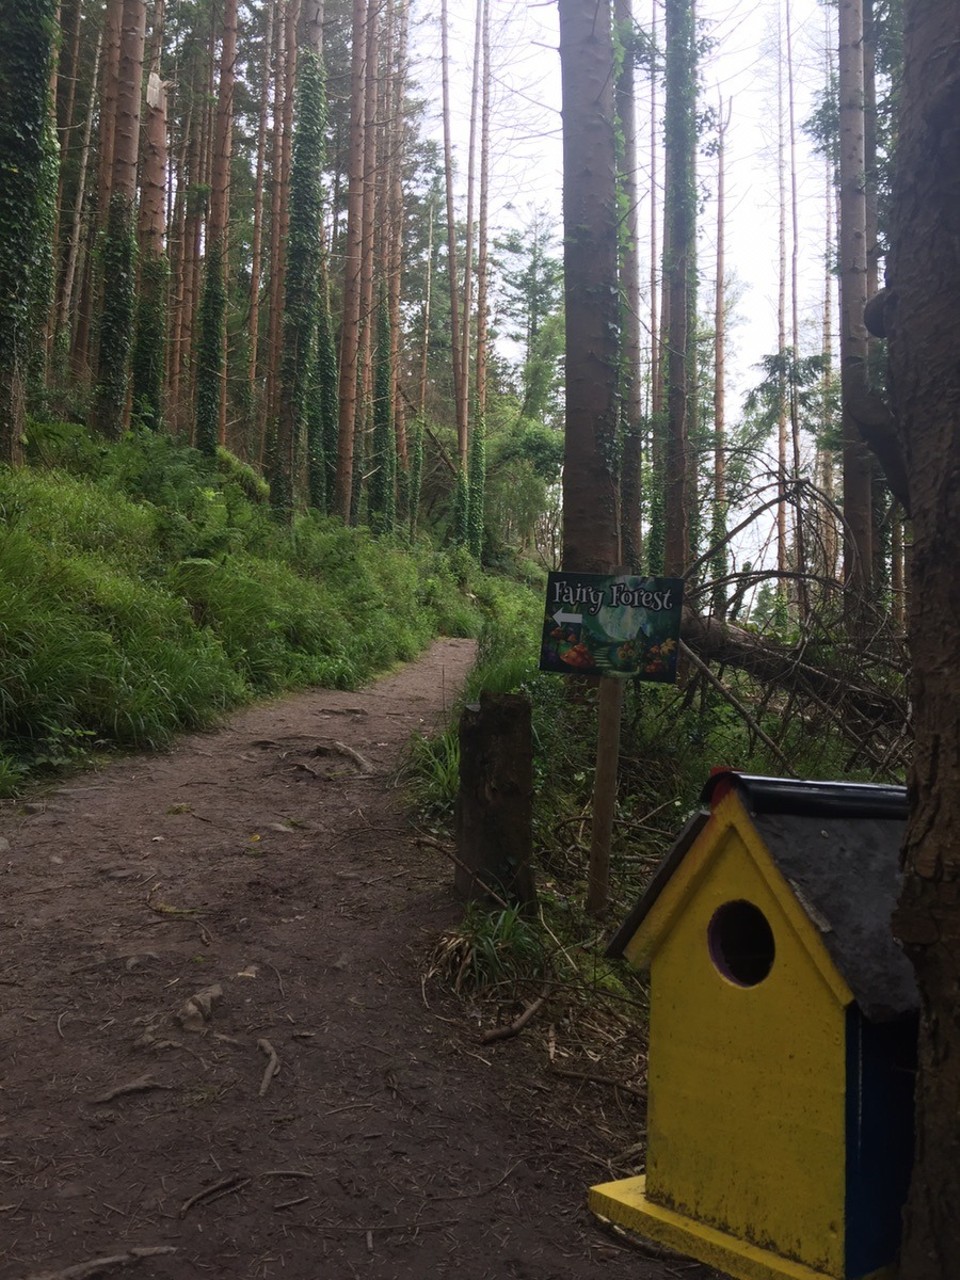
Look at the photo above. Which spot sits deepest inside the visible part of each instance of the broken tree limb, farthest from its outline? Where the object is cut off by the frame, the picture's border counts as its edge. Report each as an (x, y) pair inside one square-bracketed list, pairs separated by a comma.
[(738, 706), (96, 1266)]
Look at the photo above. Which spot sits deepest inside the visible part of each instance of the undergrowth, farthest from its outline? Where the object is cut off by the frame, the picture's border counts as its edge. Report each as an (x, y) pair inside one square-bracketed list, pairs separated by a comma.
[(145, 589), (499, 959)]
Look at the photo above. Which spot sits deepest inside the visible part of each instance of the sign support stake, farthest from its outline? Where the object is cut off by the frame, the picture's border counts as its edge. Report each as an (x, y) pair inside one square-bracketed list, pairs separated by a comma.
[(604, 793)]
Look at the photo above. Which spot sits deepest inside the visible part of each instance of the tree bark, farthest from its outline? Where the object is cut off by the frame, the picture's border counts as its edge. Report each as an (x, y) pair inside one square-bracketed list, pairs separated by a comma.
[(353, 262), (857, 465), (592, 319), (923, 326)]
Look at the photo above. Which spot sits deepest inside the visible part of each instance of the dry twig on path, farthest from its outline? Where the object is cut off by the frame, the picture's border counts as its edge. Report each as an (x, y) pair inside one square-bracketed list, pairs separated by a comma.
[(272, 1067), (96, 1266), (214, 1192), (143, 1084)]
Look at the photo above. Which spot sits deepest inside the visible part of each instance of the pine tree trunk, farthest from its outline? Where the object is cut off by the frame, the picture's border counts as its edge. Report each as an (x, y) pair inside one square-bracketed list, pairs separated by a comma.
[(452, 273), (632, 392), (923, 328), (857, 461), (592, 320), (352, 269), (680, 271), (116, 322)]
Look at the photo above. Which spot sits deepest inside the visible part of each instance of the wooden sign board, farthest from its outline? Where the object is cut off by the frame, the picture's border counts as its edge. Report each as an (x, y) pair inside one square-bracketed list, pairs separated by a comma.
[(612, 625)]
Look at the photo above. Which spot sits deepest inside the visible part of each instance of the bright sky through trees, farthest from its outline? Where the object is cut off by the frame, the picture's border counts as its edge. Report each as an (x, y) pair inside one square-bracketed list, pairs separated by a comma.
[(741, 66)]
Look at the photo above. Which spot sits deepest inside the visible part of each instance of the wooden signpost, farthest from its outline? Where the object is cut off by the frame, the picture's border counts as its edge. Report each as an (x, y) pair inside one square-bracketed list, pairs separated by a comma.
[(618, 627)]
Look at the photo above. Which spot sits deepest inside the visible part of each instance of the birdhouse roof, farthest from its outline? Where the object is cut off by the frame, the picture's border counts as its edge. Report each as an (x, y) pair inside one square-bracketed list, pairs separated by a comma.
[(837, 845)]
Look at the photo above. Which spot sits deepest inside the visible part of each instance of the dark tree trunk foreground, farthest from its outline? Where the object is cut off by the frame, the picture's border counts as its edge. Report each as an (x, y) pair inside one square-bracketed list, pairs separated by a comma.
[(922, 320)]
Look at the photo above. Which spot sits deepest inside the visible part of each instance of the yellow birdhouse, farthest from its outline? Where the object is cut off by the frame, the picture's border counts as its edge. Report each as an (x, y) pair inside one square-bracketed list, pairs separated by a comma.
[(783, 1024)]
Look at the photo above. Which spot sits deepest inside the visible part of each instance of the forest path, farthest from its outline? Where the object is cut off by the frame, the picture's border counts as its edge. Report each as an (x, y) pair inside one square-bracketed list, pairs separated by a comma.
[(389, 1144)]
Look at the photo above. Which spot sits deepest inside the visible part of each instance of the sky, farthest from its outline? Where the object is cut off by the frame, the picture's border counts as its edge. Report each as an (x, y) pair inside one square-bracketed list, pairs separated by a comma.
[(740, 72)]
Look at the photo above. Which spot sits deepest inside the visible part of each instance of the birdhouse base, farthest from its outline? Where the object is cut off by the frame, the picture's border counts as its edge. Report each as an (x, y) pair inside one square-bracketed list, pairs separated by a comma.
[(625, 1203)]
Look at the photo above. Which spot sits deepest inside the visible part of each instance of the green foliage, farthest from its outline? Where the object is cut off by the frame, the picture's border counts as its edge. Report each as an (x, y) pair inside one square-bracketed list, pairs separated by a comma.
[(146, 589), (416, 474), (490, 949), (475, 488)]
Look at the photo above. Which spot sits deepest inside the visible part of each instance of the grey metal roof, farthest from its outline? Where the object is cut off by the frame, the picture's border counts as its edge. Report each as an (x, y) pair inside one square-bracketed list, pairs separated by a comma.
[(838, 846)]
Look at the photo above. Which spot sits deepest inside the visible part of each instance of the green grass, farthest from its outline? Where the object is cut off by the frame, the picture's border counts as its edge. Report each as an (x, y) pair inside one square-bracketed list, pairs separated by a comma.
[(145, 590)]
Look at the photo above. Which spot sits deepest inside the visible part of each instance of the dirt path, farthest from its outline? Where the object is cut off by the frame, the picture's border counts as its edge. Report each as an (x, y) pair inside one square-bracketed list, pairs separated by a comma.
[(387, 1145)]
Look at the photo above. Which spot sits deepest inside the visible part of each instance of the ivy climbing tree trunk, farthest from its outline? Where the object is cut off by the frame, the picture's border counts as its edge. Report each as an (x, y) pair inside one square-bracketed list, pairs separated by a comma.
[(120, 249), (680, 236), (211, 355), (303, 261), (25, 58), (150, 334)]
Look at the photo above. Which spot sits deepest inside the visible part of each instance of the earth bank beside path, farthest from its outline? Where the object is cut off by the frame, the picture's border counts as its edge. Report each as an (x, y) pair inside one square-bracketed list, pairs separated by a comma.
[(214, 1039)]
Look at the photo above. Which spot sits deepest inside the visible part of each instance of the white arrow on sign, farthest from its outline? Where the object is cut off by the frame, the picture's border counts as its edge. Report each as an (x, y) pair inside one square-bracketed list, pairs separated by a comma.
[(568, 617)]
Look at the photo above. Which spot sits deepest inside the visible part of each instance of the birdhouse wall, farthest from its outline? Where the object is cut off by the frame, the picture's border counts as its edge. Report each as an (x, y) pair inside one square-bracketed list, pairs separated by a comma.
[(746, 1125)]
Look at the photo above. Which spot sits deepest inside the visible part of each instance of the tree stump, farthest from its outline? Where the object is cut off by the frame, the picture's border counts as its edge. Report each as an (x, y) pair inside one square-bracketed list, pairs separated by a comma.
[(494, 815)]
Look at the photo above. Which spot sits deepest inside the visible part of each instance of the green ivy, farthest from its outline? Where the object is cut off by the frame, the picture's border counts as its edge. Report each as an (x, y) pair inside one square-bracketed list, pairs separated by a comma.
[(302, 301), (147, 359), (382, 500), (25, 53), (475, 487), (119, 266)]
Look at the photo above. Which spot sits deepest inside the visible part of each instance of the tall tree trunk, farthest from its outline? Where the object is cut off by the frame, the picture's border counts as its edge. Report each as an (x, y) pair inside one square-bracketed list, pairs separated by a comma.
[(256, 247), (590, 516), (150, 334), (798, 529), (632, 392), (116, 321), (352, 269), (857, 463), (452, 240), (303, 262), (680, 270), (922, 322), (718, 531), (477, 474), (25, 60), (211, 361), (68, 281)]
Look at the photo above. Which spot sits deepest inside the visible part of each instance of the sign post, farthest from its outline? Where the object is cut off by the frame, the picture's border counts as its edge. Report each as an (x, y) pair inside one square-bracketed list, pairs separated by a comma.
[(618, 627)]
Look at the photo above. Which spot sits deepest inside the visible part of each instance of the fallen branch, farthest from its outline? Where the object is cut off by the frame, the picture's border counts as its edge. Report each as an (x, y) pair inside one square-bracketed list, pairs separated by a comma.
[(143, 1084), (272, 1067), (738, 706), (516, 1026), (96, 1266), (214, 1192)]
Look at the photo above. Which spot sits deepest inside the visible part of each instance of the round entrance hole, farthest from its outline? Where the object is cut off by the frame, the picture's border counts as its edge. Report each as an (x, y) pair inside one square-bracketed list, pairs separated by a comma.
[(741, 943)]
